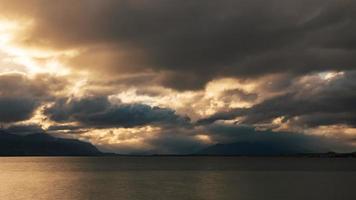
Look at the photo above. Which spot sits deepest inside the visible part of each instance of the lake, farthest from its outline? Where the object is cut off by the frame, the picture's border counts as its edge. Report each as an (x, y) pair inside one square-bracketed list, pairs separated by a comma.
[(177, 178)]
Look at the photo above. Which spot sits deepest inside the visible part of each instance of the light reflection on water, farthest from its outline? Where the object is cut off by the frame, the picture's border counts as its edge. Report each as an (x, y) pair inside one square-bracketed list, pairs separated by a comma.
[(170, 178)]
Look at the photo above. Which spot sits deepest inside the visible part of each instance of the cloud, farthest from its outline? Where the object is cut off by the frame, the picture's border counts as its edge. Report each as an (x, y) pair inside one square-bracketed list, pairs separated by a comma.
[(236, 95), (130, 66), (191, 43), (21, 95), (16, 109), (100, 112), (282, 142), (312, 102)]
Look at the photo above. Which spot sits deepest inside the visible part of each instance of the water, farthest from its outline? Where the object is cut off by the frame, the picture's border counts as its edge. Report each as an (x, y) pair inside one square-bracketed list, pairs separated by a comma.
[(176, 178)]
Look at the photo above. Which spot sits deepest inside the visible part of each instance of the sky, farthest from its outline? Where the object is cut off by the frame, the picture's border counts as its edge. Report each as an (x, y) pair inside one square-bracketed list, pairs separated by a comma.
[(172, 76)]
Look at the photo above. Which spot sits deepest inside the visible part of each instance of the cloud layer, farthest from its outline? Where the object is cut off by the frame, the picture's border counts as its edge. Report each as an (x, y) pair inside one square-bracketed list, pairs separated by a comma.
[(196, 41), (324, 103), (172, 76), (20, 95), (99, 112)]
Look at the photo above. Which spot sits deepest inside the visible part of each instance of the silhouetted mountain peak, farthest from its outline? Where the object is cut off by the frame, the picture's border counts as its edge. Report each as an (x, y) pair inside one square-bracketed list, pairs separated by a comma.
[(42, 144), (40, 136)]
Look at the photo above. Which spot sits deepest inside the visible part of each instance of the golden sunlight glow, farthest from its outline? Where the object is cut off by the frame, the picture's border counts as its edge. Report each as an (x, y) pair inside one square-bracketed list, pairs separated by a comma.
[(330, 75), (195, 104), (334, 130), (204, 138), (6, 29), (122, 139), (126, 136), (77, 88), (39, 118), (220, 85), (33, 59)]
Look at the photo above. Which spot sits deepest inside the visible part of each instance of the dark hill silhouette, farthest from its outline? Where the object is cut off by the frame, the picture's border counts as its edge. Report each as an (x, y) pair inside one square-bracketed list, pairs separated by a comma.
[(266, 149), (42, 144)]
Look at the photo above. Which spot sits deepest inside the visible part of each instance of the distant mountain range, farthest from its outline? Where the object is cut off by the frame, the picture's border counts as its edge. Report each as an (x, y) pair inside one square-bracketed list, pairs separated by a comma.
[(41, 144), (251, 149), (264, 149)]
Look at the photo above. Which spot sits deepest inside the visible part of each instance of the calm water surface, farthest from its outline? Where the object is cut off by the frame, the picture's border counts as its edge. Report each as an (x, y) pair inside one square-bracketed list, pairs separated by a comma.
[(176, 178)]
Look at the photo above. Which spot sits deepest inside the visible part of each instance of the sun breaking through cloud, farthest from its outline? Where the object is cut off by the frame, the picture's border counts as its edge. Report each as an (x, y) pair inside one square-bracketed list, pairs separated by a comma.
[(175, 76)]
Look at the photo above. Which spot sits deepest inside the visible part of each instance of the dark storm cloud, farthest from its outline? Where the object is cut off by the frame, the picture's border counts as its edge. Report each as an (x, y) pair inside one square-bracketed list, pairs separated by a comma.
[(16, 104), (20, 95), (192, 42), (14, 109), (101, 113), (332, 103), (265, 142)]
